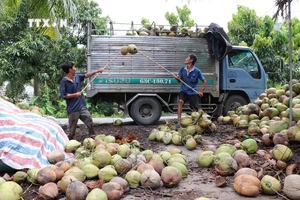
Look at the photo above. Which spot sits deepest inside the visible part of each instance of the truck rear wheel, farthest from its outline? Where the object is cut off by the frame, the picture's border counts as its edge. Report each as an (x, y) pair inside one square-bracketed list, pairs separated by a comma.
[(233, 102), (145, 110)]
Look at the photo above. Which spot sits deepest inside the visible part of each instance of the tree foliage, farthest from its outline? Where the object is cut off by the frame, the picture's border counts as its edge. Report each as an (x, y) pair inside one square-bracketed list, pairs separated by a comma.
[(269, 44), (31, 57), (244, 25), (182, 17)]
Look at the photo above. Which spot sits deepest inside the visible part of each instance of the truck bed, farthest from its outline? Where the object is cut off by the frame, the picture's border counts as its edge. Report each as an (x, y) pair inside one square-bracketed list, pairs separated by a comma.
[(135, 73)]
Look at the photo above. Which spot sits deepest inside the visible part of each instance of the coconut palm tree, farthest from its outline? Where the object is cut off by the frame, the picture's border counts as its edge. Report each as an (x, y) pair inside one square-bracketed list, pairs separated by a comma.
[(282, 8)]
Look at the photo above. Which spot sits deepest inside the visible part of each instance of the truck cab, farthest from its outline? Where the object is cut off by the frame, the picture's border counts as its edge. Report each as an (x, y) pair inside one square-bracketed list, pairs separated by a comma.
[(243, 78)]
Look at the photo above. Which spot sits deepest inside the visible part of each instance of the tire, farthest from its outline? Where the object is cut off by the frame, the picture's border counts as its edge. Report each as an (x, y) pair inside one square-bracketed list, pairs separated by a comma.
[(145, 110), (233, 102)]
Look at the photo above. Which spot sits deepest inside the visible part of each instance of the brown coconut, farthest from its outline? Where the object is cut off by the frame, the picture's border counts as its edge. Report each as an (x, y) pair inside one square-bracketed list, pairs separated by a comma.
[(247, 185), (65, 181), (113, 190), (291, 187), (63, 165), (171, 176), (46, 175), (144, 166), (267, 140), (55, 156), (77, 190), (122, 182), (150, 178), (245, 171), (158, 165), (48, 191), (242, 160)]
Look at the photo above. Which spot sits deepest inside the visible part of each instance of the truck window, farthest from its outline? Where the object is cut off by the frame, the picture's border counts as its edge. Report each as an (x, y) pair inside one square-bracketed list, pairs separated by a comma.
[(244, 60)]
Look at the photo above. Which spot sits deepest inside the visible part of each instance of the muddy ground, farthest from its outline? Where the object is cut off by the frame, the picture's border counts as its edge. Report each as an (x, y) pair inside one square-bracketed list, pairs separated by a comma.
[(200, 181)]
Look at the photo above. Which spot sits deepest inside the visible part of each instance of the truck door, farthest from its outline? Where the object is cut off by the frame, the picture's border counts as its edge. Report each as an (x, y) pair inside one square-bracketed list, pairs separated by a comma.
[(245, 73)]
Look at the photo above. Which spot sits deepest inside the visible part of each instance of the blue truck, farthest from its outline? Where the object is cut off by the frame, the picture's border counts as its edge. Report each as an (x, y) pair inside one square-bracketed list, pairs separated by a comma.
[(144, 86)]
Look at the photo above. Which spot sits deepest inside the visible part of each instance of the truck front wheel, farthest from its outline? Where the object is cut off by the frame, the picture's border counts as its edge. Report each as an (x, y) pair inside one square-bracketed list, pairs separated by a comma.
[(233, 102), (145, 110)]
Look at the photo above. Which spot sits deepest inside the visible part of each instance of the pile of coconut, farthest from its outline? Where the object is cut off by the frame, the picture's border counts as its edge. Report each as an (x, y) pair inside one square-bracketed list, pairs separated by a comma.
[(102, 168), (189, 135), (172, 31), (267, 119)]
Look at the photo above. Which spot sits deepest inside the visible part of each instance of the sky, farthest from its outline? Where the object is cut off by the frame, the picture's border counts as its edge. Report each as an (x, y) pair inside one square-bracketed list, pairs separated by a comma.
[(202, 11)]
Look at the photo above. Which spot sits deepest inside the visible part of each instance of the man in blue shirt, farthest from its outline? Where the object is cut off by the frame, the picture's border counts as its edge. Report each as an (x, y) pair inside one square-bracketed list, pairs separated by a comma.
[(70, 90), (190, 75)]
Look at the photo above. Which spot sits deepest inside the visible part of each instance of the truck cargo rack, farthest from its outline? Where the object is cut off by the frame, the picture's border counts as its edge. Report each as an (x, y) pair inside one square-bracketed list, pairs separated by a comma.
[(115, 28)]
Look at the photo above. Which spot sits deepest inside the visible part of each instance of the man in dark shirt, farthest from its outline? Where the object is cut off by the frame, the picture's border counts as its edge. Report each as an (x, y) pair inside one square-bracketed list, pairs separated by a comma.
[(70, 90), (190, 75)]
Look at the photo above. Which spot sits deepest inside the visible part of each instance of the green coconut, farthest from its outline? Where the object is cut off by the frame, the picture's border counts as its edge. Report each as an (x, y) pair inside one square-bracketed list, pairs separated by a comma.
[(32, 175), (101, 159), (227, 166), (249, 145), (177, 159), (124, 150), (219, 156), (135, 151), (186, 121), (107, 173), (152, 135), (77, 173), (195, 114), (133, 177), (132, 49), (10, 190), (277, 126), (100, 137), (295, 113), (206, 158), (291, 132), (71, 146), (226, 119), (165, 155), (122, 166), (147, 154), (96, 193), (90, 170), (167, 138), (177, 139), (109, 139), (226, 148), (159, 135), (191, 129), (19, 177), (181, 167), (282, 152), (270, 185), (242, 123), (281, 107), (205, 123), (174, 151), (191, 144), (89, 143), (270, 112)]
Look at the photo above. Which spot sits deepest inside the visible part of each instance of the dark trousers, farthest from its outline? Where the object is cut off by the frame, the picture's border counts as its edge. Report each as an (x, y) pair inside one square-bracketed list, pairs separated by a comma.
[(85, 116)]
